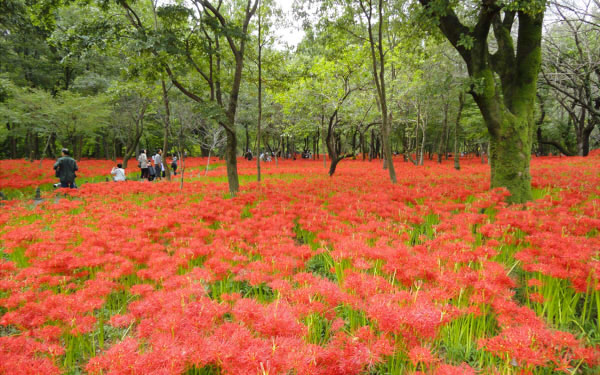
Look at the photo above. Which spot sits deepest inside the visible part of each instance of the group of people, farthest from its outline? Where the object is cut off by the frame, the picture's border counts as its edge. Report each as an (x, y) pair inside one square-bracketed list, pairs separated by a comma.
[(154, 168), (65, 168), (264, 156)]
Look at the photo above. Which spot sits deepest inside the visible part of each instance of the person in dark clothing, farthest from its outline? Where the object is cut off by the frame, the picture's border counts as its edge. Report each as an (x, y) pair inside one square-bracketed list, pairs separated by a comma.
[(174, 165), (65, 168), (151, 172)]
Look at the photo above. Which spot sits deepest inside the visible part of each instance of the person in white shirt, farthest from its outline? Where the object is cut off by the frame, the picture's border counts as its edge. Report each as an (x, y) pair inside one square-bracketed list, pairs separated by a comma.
[(158, 164), (118, 173)]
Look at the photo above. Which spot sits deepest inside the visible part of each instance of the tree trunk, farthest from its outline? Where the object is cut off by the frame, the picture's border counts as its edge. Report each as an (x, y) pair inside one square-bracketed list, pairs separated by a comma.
[(207, 162), (461, 103), (167, 124), (36, 146), (231, 160), (422, 145), (78, 152), (442, 142), (377, 56), (259, 95), (583, 140), (510, 154), (247, 146), (507, 83)]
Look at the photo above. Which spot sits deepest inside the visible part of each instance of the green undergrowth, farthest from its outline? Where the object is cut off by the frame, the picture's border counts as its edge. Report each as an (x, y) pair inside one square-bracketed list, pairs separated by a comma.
[(458, 339), (261, 292), (192, 263), (321, 265), (539, 193), (80, 348), (206, 370), (246, 179), (319, 329), (353, 319), (17, 256), (423, 231), (28, 192), (305, 237), (396, 364), (563, 307)]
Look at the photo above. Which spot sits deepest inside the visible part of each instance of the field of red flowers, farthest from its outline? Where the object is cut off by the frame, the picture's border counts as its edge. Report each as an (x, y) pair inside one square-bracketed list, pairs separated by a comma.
[(304, 274)]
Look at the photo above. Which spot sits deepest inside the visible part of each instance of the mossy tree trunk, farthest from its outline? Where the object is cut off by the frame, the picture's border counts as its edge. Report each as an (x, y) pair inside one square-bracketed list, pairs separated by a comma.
[(503, 84)]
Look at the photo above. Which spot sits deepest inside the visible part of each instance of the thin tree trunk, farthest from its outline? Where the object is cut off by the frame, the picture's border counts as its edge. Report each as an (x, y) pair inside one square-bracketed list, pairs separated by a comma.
[(207, 161), (461, 103), (259, 94), (442, 142), (167, 124), (45, 148)]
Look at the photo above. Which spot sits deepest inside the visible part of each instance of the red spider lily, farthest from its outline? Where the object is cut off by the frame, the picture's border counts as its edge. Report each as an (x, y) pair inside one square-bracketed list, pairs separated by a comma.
[(422, 354), (400, 277)]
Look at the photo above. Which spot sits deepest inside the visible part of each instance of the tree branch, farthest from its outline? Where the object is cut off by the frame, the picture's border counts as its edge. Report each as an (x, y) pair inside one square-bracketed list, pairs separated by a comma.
[(452, 28)]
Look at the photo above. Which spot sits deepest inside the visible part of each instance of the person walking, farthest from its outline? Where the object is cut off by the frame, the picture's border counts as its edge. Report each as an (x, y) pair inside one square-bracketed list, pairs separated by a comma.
[(65, 168), (143, 164), (158, 164), (174, 165)]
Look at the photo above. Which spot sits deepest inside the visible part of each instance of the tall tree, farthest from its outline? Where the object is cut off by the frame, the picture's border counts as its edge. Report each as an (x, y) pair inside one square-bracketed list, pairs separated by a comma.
[(190, 38), (503, 82), (571, 66), (258, 135), (371, 9)]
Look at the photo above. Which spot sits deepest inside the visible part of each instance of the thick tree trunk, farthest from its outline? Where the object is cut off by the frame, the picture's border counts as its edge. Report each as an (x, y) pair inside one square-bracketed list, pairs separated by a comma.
[(231, 161), (583, 140), (510, 154), (508, 83)]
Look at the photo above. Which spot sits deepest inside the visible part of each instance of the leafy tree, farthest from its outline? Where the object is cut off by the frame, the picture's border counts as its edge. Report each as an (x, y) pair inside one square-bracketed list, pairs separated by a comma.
[(79, 118), (131, 106), (29, 113), (169, 40), (504, 82)]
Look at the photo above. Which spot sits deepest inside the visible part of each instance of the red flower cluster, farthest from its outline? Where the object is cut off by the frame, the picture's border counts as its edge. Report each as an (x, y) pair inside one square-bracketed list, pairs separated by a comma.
[(303, 273)]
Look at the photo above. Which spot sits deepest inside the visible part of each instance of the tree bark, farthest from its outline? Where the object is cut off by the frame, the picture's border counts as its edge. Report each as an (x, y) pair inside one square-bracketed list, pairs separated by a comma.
[(259, 94), (379, 78), (509, 114), (442, 142), (461, 103), (166, 127)]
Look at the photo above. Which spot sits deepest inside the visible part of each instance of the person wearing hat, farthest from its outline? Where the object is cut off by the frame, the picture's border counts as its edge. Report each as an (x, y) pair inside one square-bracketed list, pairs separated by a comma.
[(65, 168)]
